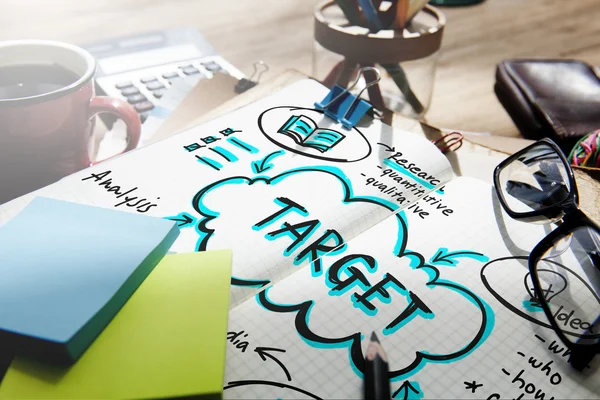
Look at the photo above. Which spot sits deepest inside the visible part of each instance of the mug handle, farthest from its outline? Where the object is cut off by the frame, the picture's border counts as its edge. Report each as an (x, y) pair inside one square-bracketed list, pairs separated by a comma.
[(123, 110)]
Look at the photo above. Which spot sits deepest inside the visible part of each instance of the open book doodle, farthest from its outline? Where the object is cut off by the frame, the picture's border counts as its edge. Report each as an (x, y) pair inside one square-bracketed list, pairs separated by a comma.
[(374, 234), (305, 132)]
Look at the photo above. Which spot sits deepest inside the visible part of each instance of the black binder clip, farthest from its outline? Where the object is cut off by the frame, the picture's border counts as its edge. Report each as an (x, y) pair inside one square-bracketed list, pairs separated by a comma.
[(245, 84), (344, 107)]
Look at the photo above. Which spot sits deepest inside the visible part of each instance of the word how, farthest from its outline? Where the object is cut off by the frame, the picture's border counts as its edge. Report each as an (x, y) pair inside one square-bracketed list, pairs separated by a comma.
[(141, 205), (526, 387)]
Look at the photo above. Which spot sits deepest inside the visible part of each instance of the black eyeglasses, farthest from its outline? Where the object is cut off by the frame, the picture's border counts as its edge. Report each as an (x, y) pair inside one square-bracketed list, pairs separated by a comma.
[(537, 184)]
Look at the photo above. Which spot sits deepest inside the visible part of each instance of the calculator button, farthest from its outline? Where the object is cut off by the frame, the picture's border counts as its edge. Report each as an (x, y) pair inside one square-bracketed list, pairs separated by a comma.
[(212, 66), (159, 93), (143, 106), (173, 80), (129, 91), (170, 75), (148, 79), (190, 70), (123, 84), (136, 98), (155, 85)]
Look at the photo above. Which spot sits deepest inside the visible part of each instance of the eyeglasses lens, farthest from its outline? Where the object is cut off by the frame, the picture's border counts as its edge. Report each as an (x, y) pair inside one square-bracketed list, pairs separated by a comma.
[(570, 284), (536, 180)]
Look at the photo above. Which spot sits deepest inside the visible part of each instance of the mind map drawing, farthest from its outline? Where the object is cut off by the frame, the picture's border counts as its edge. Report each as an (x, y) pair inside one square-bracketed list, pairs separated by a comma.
[(305, 239), (315, 273)]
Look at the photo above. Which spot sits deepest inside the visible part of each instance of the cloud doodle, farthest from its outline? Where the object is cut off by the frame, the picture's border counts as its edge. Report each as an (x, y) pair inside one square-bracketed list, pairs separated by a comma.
[(355, 286), (247, 214), (368, 287)]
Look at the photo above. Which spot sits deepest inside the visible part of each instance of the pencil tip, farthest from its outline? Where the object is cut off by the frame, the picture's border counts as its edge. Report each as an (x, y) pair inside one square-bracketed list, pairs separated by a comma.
[(374, 337)]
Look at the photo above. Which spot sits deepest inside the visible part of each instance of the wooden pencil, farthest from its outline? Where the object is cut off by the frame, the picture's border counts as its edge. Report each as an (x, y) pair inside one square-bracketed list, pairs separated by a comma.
[(377, 384), (401, 14)]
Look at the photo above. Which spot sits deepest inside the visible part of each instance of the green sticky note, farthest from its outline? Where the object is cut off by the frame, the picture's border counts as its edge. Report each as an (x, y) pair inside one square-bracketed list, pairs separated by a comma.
[(167, 341)]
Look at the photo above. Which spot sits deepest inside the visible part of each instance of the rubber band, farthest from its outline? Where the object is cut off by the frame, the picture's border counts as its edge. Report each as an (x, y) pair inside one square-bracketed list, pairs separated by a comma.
[(586, 153)]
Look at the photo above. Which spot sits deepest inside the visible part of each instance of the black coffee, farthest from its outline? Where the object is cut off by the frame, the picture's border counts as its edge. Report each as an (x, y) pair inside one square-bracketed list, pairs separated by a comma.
[(17, 81)]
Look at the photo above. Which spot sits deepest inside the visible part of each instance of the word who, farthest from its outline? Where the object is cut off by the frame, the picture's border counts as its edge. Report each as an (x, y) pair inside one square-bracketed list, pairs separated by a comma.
[(561, 351), (524, 385), (216, 154)]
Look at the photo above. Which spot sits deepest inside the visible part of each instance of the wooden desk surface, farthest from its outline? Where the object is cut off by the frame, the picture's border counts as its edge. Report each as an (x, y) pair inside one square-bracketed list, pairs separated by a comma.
[(280, 32)]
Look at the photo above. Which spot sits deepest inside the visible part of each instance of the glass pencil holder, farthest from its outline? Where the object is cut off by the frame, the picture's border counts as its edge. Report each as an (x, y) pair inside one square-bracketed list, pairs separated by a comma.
[(407, 59)]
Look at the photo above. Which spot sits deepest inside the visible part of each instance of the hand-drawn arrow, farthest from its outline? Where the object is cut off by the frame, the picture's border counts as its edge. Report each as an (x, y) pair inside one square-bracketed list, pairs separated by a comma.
[(263, 353), (443, 255), (407, 388), (388, 148), (263, 165), (183, 221)]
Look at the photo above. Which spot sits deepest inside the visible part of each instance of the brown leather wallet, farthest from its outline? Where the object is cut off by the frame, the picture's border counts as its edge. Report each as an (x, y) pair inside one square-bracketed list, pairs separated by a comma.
[(559, 99)]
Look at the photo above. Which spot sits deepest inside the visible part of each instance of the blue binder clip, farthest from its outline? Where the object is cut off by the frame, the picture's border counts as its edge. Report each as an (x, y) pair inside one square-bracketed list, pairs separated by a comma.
[(344, 107)]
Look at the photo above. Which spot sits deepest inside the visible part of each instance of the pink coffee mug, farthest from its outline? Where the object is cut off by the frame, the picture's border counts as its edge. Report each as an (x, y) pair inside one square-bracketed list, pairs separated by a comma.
[(48, 135)]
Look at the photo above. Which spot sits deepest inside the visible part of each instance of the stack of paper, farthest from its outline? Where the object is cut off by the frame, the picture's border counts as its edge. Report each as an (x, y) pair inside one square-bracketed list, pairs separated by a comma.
[(66, 269), (168, 341)]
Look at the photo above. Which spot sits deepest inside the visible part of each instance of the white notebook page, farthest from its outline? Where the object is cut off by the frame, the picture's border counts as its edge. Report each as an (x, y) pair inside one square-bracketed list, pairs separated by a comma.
[(456, 338)]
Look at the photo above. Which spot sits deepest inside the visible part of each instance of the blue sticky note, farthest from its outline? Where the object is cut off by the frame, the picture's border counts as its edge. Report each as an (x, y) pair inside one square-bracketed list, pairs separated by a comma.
[(66, 269)]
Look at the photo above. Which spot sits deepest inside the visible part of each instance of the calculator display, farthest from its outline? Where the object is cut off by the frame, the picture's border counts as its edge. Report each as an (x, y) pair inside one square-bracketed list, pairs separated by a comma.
[(143, 59)]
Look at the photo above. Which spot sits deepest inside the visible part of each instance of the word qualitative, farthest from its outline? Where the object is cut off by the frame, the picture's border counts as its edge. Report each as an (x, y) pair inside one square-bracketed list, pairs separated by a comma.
[(346, 272), (219, 153), (141, 205), (399, 192), (405, 186)]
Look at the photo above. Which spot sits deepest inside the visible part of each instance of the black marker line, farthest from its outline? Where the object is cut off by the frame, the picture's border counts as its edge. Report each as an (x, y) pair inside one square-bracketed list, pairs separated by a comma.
[(129, 191), (506, 372), (234, 384), (263, 352), (221, 154), (202, 159), (387, 147), (406, 386), (239, 144), (541, 339), (521, 354), (243, 282)]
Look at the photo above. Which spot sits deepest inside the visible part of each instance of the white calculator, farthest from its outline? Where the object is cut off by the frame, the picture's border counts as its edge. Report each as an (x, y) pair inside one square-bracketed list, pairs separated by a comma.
[(140, 68)]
